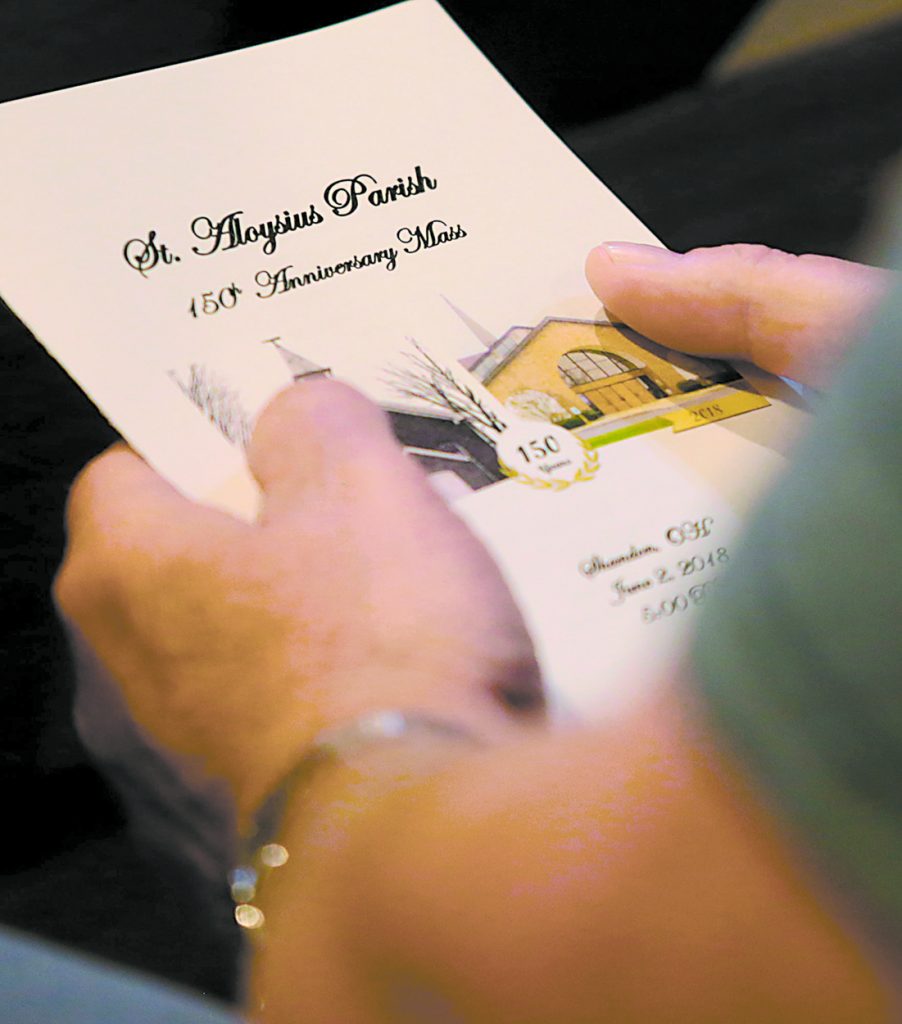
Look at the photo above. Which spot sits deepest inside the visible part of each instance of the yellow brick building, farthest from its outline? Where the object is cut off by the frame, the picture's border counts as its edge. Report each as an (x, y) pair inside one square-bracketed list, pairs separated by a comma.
[(566, 368)]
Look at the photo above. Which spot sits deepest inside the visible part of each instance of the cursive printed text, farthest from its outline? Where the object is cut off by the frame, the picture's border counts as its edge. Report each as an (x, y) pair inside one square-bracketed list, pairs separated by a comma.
[(596, 564), (282, 280), (623, 590), (229, 232), (344, 195), (143, 254), (680, 603), (690, 530), (436, 232)]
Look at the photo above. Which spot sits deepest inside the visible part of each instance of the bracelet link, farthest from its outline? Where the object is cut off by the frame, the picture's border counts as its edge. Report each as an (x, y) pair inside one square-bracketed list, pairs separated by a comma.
[(262, 852)]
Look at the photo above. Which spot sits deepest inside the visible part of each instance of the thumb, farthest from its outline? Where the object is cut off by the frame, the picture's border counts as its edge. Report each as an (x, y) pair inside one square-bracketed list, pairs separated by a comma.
[(321, 435), (791, 315)]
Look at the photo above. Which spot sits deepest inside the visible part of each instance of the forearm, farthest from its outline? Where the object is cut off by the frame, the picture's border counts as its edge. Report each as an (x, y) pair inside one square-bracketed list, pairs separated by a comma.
[(545, 880), (335, 801), (310, 964)]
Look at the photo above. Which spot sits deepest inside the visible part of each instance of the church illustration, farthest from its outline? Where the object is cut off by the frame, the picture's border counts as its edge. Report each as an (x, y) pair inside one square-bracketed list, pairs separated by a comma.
[(578, 372), (446, 446)]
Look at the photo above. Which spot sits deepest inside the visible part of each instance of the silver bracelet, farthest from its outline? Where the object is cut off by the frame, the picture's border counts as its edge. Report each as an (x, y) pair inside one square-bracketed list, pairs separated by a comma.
[(262, 853)]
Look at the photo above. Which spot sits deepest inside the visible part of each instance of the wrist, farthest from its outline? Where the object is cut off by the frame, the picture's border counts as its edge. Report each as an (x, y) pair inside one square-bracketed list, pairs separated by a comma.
[(344, 804), (493, 706), (379, 751)]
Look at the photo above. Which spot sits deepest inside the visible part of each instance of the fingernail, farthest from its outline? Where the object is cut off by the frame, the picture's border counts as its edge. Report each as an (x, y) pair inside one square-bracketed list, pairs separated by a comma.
[(637, 254)]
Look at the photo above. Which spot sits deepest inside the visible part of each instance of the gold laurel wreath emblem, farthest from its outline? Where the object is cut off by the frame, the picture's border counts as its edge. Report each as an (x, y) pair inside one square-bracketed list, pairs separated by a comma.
[(585, 472)]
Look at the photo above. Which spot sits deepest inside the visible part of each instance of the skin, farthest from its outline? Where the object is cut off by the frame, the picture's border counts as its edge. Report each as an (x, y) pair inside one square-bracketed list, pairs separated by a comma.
[(626, 874), (316, 603), (791, 315)]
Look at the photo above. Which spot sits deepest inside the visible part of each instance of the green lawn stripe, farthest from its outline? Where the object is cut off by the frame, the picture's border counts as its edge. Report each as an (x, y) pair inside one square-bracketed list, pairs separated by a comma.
[(645, 427)]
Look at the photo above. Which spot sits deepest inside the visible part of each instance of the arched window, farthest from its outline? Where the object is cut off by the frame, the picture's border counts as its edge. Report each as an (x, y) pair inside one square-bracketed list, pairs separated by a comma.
[(582, 366)]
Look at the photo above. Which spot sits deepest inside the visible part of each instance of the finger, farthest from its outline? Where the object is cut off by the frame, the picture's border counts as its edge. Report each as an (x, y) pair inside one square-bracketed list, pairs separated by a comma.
[(791, 315), (99, 516), (119, 502), (321, 434)]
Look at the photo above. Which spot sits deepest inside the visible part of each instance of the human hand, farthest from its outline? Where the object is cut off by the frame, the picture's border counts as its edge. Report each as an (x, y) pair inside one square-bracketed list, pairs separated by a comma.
[(357, 589), (790, 315)]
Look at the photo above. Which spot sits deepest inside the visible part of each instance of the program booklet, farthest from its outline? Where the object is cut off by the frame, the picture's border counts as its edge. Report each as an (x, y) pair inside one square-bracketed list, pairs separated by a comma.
[(372, 201)]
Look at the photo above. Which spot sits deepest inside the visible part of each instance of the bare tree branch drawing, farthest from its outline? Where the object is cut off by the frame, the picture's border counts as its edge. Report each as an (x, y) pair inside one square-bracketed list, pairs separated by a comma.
[(217, 401), (538, 405), (426, 379)]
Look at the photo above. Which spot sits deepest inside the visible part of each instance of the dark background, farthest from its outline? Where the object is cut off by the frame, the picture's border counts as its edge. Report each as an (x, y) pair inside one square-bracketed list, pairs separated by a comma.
[(572, 60), (787, 155)]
